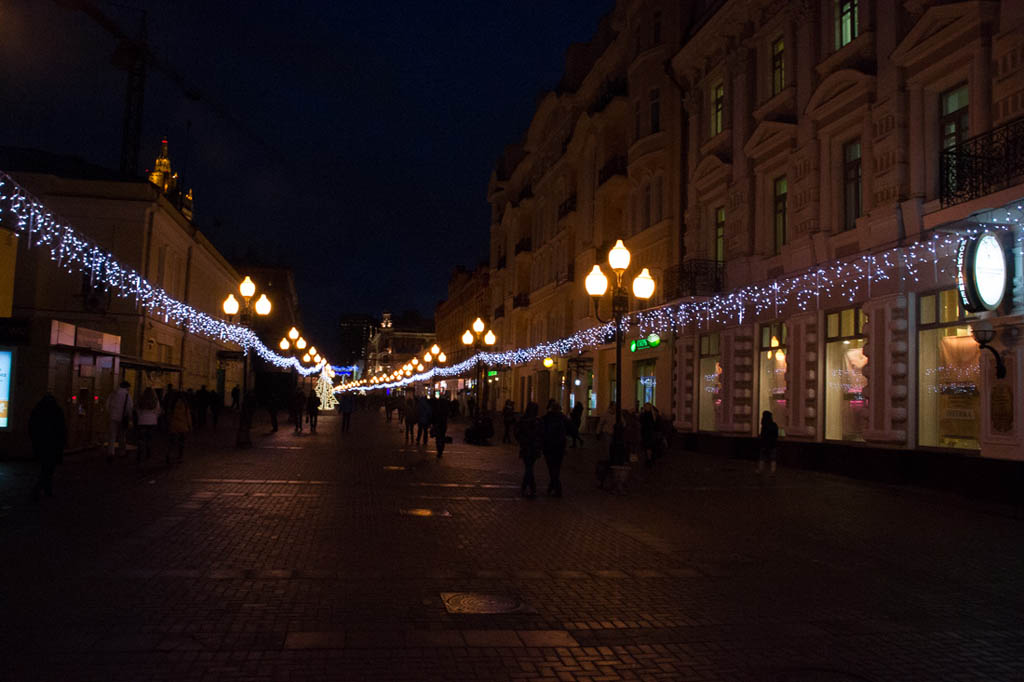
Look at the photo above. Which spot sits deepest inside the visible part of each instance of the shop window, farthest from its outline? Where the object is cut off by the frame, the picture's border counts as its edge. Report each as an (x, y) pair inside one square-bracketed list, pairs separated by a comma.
[(949, 373), (646, 383), (851, 184), (778, 66), (717, 108), (774, 356), (846, 22), (846, 407), (709, 402)]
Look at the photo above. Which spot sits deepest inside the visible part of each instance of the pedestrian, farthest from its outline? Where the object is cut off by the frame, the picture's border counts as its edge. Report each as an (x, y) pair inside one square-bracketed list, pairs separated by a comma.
[(147, 418), (119, 414), (216, 405), (439, 423), (272, 408), (555, 430), (389, 407), (297, 408), (202, 405), (576, 423), (312, 411), (769, 441), (649, 433), (412, 417), (400, 407), (48, 432), (607, 421), (632, 435), (508, 418), (347, 405), (179, 423), (236, 393), (423, 420), (529, 434)]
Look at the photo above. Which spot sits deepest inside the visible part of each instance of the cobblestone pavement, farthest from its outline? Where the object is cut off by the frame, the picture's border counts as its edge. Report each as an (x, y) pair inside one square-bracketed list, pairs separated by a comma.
[(314, 558)]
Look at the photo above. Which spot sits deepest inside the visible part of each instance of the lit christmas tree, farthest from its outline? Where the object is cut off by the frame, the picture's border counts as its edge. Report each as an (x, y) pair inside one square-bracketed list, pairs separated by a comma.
[(325, 390)]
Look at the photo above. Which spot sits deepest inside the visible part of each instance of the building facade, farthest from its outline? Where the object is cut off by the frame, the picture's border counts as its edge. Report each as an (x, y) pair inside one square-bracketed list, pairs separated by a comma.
[(743, 145), (396, 340)]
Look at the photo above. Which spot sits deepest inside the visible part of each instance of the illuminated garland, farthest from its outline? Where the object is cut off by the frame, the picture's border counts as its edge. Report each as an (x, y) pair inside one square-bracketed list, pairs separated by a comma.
[(849, 278), (75, 253)]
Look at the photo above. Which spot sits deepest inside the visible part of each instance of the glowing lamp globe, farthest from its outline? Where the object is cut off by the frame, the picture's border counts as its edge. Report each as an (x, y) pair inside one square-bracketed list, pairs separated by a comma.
[(618, 257), (643, 285), (427, 357), (435, 349), (441, 357), (467, 338), (247, 288), (596, 282), (306, 358), (548, 362), (490, 338), (301, 343), (293, 333), (312, 351), (230, 305), (419, 368), (263, 305), (478, 325), (284, 345)]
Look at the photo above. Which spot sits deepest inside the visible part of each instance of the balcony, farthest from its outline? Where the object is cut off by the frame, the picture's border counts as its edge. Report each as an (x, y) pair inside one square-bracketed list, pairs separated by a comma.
[(983, 164), (569, 275), (614, 166), (694, 278), (524, 245), (499, 312), (610, 89), (568, 206), (520, 301)]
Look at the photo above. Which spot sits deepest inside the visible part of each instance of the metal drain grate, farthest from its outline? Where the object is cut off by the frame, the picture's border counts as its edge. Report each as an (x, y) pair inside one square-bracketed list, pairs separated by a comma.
[(474, 602), (425, 512)]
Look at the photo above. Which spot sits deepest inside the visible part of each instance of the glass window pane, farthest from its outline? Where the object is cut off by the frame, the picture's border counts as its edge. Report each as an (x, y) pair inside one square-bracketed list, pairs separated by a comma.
[(949, 400), (846, 322), (949, 306), (927, 309), (954, 100), (846, 407), (772, 392), (833, 325), (709, 402)]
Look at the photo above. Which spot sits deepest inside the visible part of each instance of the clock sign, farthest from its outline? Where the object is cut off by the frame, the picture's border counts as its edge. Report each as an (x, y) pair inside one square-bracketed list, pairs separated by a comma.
[(982, 272)]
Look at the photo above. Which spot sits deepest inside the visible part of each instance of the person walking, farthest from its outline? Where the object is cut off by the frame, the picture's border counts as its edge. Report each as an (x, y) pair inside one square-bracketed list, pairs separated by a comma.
[(423, 420), (312, 411), (529, 434), (606, 423), (649, 433), (389, 407), (769, 441), (576, 423), (236, 393), (48, 432), (119, 414), (179, 423), (508, 418), (347, 405), (298, 407), (439, 423), (555, 427), (216, 405), (412, 417), (202, 399), (147, 418)]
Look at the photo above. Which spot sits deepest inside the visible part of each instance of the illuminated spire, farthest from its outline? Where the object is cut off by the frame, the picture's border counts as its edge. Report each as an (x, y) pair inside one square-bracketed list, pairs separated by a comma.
[(161, 175)]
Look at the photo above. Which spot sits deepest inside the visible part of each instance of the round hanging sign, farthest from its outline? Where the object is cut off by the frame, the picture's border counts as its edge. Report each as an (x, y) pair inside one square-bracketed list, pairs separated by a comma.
[(981, 273)]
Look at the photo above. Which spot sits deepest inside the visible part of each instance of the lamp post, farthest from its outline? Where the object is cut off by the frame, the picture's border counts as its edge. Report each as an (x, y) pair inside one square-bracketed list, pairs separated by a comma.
[(643, 288), (984, 333), (474, 338), (433, 357), (245, 312)]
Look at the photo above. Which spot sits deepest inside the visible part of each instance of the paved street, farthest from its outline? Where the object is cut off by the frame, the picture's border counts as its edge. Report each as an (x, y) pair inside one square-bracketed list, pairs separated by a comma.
[(333, 557)]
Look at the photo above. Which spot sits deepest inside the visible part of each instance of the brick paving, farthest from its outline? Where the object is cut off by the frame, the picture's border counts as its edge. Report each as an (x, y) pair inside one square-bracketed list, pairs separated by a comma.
[(295, 561)]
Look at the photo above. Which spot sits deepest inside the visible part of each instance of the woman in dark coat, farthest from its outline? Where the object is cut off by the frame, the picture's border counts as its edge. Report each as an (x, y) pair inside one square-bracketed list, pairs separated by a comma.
[(529, 435), (48, 432), (556, 428), (576, 422)]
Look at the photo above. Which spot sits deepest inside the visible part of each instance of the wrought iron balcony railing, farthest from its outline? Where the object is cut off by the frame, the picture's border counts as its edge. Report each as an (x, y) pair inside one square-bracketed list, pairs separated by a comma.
[(695, 278), (615, 166), (983, 164), (524, 245)]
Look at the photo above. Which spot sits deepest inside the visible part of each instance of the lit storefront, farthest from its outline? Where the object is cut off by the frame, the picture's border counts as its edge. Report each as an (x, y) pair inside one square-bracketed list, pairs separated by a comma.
[(846, 406)]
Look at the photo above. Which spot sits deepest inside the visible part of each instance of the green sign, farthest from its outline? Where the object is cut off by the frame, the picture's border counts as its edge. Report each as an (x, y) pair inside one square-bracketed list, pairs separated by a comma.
[(492, 372), (651, 341)]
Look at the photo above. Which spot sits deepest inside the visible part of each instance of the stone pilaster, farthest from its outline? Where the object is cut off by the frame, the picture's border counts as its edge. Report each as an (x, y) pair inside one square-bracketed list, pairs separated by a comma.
[(685, 382), (888, 369), (802, 376)]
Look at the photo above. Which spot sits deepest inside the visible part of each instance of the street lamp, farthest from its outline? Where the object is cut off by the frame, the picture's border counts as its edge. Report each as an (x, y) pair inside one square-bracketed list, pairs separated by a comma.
[(284, 344), (473, 338), (262, 308), (596, 284), (984, 333)]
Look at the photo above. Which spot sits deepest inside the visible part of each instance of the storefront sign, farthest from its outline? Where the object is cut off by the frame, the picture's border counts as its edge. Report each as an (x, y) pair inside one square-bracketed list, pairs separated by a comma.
[(1002, 408), (982, 273), (492, 372), (6, 366), (651, 341)]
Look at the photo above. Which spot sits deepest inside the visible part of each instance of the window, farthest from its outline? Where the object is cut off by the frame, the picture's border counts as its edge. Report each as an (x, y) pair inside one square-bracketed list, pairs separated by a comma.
[(709, 402), (636, 120), (846, 22), (949, 361), (720, 235), (717, 108), (778, 66), (954, 121), (851, 184), (655, 111), (779, 212), (846, 407), (772, 384), (656, 29), (646, 383)]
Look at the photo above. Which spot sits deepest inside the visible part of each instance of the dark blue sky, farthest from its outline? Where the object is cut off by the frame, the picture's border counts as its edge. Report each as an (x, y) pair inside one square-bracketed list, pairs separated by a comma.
[(380, 123)]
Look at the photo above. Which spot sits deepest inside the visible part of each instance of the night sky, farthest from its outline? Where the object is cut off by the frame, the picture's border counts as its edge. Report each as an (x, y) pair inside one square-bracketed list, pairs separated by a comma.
[(351, 141)]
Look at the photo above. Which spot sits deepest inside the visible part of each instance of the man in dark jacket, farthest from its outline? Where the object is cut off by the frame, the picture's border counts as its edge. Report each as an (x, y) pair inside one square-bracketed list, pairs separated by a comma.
[(48, 432), (439, 422), (556, 428), (769, 440)]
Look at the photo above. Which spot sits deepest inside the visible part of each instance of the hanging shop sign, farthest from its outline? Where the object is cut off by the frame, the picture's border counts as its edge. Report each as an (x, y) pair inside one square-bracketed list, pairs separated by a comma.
[(982, 272), (492, 372), (649, 341), (6, 366)]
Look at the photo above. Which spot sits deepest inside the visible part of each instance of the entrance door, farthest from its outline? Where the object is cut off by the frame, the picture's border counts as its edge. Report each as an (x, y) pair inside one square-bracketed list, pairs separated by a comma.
[(646, 383)]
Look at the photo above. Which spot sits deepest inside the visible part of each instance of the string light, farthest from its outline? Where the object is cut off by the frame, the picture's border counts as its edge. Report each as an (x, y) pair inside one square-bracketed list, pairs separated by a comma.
[(74, 253)]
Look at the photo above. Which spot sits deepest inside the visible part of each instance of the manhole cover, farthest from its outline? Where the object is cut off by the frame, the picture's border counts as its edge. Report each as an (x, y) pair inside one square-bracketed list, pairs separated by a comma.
[(425, 512), (474, 602)]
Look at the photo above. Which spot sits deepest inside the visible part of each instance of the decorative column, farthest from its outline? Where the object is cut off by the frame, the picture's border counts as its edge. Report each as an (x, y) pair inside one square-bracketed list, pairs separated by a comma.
[(737, 353), (802, 372), (888, 370), (685, 381)]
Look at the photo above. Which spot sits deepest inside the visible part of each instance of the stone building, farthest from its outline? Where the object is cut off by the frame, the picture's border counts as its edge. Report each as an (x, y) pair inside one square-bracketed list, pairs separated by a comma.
[(742, 145)]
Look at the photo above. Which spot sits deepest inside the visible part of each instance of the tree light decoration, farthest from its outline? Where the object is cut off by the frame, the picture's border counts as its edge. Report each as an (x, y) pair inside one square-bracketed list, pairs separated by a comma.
[(325, 390), (28, 217)]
